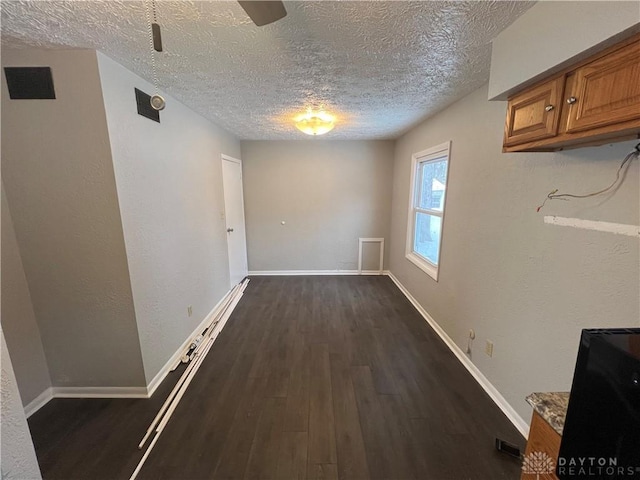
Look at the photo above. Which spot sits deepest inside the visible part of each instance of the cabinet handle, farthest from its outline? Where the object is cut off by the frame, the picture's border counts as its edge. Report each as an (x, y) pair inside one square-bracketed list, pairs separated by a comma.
[(548, 108), (571, 100)]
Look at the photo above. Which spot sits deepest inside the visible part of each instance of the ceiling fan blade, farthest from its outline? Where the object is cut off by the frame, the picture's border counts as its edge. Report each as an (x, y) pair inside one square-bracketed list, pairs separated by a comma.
[(264, 12)]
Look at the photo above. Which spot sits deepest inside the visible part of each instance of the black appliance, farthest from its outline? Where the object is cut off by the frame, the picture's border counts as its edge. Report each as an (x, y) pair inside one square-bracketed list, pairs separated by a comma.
[(601, 437)]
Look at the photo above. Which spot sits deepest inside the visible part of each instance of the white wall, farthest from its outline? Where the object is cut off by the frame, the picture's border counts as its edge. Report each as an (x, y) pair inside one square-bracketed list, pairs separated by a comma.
[(59, 182), (18, 318), (169, 182), (17, 455), (328, 193), (553, 34), (527, 286)]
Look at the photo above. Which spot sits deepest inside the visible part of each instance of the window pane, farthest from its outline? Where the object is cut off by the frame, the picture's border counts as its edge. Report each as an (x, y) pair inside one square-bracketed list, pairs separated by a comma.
[(427, 236), (433, 178)]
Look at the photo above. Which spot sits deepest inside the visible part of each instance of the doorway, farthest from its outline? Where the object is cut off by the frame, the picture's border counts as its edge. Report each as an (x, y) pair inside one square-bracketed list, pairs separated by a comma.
[(234, 219)]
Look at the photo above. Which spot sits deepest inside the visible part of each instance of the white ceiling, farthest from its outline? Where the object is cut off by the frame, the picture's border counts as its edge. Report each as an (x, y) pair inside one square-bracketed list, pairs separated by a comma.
[(381, 67)]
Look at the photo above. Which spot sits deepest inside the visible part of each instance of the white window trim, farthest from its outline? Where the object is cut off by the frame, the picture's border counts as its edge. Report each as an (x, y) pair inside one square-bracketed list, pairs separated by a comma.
[(426, 266)]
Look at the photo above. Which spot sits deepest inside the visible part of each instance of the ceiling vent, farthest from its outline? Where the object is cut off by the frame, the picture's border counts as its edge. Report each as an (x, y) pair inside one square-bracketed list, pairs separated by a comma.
[(144, 106), (30, 83)]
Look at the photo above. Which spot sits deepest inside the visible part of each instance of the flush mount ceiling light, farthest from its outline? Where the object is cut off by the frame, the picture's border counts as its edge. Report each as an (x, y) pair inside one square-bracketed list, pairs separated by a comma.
[(315, 123)]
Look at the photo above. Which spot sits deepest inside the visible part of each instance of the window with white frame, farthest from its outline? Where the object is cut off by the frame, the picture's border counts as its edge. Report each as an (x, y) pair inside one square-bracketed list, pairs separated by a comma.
[(426, 207)]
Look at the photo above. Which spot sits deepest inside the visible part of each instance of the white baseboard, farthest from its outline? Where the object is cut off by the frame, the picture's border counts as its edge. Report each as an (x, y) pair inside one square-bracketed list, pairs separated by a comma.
[(496, 396), (37, 403), (100, 392), (82, 392), (164, 371), (259, 273)]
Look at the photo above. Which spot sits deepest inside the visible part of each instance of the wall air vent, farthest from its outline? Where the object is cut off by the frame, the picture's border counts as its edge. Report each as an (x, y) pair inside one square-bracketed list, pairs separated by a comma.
[(29, 83), (144, 106)]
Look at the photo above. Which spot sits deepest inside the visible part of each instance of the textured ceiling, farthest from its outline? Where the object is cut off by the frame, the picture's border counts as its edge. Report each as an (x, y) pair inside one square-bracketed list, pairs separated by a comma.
[(379, 66)]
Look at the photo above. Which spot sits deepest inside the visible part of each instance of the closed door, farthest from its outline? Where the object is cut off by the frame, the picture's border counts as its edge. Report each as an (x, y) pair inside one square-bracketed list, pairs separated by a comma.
[(234, 218)]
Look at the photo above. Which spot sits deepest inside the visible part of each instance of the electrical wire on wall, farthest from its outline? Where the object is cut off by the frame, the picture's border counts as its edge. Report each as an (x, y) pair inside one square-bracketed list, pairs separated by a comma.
[(620, 176)]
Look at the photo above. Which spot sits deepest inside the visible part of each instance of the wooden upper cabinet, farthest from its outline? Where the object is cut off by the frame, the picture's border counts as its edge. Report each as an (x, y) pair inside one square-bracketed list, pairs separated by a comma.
[(593, 102), (534, 114), (606, 91)]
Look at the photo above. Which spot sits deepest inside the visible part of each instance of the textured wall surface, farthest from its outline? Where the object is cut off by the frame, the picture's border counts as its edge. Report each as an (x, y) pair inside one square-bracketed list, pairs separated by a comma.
[(539, 42), (18, 319), (59, 181), (528, 286), (380, 66), (169, 181), (18, 457), (329, 193)]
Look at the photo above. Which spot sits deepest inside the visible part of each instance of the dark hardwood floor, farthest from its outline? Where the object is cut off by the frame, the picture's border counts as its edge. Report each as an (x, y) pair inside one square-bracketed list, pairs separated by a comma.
[(312, 377)]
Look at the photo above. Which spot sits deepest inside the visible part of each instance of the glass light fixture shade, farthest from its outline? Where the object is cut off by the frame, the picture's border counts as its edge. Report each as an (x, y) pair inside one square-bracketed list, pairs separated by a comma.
[(315, 123)]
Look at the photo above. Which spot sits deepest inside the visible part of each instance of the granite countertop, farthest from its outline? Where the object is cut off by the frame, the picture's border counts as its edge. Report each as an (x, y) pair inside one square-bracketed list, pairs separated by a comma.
[(551, 406)]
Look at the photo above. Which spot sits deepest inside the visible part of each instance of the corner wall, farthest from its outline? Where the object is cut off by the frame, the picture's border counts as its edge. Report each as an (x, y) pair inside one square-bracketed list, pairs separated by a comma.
[(18, 319), (527, 286), (169, 182), (17, 455), (328, 193), (60, 185)]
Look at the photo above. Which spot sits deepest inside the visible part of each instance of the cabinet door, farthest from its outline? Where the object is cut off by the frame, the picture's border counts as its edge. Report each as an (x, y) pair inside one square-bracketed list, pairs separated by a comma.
[(606, 91), (542, 440), (534, 114)]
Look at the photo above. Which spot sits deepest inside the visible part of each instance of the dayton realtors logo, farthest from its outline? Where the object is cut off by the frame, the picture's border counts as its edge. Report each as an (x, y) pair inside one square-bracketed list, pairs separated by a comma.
[(540, 463), (599, 467), (537, 463)]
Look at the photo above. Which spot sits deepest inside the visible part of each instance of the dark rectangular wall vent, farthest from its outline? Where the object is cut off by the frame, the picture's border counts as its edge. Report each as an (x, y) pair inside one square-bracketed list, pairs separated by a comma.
[(30, 83), (144, 106)]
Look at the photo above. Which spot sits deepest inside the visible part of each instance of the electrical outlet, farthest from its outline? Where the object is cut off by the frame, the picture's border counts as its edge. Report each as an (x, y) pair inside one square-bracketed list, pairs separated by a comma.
[(190, 310), (488, 349)]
